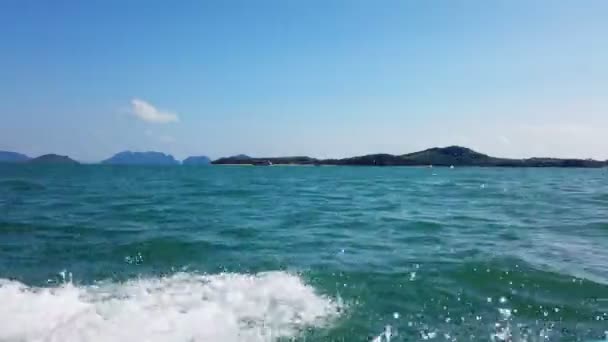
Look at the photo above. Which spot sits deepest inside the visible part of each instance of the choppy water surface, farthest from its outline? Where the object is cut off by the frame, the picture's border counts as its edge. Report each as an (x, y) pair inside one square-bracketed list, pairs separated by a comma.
[(97, 253)]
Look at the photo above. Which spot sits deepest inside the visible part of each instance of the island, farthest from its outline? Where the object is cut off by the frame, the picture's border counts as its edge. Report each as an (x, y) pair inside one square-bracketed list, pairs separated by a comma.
[(245, 160), (451, 156), (436, 156), (141, 158), (53, 159), (12, 157), (197, 160)]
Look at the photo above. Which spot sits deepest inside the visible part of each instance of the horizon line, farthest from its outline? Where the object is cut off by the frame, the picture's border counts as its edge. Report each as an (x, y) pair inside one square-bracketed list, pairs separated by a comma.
[(302, 156)]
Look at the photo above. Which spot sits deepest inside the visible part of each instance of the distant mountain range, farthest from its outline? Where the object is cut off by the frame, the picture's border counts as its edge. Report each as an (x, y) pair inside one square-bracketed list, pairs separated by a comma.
[(12, 157), (459, 156), (141, 158), (52, 159), (246, 160), (197, 160), (437, 156)]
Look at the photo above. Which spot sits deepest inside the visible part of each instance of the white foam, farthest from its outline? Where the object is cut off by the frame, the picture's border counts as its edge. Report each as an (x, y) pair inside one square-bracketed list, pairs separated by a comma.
[(386, 335), (181, 307)]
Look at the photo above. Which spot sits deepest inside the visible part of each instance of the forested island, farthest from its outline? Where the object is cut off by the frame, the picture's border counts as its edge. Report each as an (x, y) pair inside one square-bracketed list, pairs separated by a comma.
[(436, 156)]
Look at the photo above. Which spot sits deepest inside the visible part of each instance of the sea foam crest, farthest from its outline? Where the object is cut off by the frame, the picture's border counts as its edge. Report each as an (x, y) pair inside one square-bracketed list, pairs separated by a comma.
[(181, 307)]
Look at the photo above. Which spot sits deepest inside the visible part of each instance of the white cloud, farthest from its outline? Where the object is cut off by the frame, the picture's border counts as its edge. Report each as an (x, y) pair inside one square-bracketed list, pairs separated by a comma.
[(147, 112)]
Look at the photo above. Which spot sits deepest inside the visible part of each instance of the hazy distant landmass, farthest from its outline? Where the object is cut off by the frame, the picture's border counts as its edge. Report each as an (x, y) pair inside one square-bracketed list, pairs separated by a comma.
[(12, 157), (52, 159), (197, 160), (241, 156), (141, 158), (437, 156), (245, 160), (458, 156)]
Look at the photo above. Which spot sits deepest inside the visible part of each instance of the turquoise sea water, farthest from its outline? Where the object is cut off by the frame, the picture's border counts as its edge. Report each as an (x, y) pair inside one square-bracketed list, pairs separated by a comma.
[(101, 253)]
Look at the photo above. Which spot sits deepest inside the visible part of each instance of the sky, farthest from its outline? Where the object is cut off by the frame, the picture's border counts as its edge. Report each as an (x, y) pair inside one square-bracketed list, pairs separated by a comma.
[(324, 78)]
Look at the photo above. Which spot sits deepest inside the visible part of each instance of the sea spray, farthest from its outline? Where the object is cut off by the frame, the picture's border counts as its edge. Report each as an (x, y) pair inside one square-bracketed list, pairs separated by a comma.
[(181, 307)]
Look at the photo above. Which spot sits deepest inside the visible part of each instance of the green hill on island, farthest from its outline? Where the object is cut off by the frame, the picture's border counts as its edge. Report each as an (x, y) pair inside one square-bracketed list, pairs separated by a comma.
[(12, 157), (437, 156), (53, 159)]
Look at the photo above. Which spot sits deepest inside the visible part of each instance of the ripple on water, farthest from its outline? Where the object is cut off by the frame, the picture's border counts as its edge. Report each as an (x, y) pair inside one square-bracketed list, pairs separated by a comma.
[(441, 251), (20, 185)]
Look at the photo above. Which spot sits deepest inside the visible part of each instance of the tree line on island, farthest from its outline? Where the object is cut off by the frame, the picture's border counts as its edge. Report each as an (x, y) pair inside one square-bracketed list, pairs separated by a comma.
[(437, 156)]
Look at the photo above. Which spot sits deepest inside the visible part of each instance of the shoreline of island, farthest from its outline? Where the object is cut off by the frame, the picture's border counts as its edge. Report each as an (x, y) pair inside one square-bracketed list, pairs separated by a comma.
[(451, 156)]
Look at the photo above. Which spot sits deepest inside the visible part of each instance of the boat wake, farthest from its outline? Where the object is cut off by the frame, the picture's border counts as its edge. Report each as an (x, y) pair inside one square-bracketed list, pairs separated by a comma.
[(181, 307)]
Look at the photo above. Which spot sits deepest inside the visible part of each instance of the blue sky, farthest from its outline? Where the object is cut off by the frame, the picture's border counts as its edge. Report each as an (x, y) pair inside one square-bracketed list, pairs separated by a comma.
[(321, 78)]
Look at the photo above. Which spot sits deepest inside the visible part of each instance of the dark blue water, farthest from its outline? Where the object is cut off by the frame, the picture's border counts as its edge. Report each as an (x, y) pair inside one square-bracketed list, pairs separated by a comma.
[(101, 253)]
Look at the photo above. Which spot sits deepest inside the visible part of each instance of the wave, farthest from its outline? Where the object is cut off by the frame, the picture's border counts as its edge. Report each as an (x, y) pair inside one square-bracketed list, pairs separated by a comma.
[(181, 307), (20, 185)]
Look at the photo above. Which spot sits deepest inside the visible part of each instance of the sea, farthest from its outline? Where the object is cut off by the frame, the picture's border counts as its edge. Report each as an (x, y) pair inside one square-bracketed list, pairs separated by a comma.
[(296, 253)]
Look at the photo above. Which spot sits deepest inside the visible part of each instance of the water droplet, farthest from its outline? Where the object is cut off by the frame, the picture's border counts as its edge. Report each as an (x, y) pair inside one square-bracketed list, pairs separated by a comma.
[(503, 300), (412, 276), (428, 335), (395, 315), (505, 313), (489, 299)]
